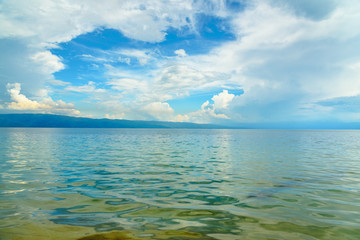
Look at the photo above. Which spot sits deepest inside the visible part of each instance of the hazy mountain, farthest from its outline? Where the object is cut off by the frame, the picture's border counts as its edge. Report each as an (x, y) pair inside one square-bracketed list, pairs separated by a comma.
[(59, 121)]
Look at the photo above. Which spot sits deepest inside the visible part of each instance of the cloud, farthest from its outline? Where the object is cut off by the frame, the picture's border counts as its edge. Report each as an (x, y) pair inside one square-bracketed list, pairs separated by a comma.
[(209, 111), (159, 110), (42, 27), (21, 102), (208, 108), (115, 116), (128, 85), (56, 82), (88, 88), (25, 41), (28, 66), (142, 56), (49, 63), (48, 105), (125, 60), (180, 53), (179, 79), (222, 100), (171, 81), (283, 60), (140, 20), (181, 118), (287, 55), (92, 58), (212, 112)]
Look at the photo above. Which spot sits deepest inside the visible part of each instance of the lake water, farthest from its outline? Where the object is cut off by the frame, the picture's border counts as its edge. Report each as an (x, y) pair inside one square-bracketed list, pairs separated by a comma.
[(179, 184)]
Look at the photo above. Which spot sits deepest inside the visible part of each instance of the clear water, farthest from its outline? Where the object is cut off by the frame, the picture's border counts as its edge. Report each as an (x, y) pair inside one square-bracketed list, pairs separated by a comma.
[(179, 184)]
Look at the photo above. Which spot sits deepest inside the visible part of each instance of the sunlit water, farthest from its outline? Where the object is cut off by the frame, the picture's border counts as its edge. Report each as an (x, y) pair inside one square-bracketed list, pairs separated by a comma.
[(179, 184)]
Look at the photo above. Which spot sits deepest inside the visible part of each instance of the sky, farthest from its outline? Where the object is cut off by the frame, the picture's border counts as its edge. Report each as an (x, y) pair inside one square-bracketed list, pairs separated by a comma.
[(226, 62)]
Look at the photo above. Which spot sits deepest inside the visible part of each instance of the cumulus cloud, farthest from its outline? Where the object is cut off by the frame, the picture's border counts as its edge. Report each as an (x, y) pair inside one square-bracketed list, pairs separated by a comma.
[(159, 110), (48, 62), (211, 112), (26, 65), (47, 105), (21, 102), (207, 108), (222, 100), (181, 118), (180, 53)]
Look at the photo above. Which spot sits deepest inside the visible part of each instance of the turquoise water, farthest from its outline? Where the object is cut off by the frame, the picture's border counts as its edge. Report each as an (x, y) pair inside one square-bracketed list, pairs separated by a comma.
[(179, 184)]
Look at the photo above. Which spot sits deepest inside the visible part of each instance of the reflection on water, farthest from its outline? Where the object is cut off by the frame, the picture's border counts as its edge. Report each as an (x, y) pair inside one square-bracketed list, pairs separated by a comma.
[(179, 184)]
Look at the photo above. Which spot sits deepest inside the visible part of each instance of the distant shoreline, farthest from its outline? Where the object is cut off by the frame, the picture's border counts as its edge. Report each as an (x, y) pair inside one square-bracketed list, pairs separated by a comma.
[(33, 120), (60, 121)]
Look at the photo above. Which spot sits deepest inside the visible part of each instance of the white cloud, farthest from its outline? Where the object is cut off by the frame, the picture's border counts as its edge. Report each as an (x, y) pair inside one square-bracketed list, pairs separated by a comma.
[(142, 56), (43, 93), (222, 100), (125, 60), (95, 59), (179, 79), (159, 110), (207, 108), (88, 88), (129, 85), (211, 112), (48, 62), (42, 25), (56, 82), (280, 58), (180, 53), (21, 102), (170, 82), (31, 67), (181, 118), (29, 29), (48, 105), (60, 21), (263, 25), (206, 114), (115, 116)]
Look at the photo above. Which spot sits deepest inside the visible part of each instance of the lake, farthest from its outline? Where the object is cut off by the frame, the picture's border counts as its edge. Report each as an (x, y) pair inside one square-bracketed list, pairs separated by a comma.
[(179, 184)]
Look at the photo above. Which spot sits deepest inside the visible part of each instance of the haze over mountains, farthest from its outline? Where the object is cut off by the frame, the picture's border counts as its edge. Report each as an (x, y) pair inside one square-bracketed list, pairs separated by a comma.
[(59, 121)]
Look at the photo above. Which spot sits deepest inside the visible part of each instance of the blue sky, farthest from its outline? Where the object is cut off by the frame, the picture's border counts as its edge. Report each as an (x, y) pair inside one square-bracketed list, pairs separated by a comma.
[(229, 62)]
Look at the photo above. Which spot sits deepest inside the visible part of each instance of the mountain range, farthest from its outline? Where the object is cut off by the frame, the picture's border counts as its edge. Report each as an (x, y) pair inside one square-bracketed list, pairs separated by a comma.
[(59, 121)]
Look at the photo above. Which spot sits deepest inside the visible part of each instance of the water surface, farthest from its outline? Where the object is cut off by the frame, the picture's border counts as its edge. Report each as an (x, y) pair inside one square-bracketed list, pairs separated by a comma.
[(179, 184)]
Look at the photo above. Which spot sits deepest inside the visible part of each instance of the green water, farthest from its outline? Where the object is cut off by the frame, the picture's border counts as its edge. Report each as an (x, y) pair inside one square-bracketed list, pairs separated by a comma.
[(179, 184)]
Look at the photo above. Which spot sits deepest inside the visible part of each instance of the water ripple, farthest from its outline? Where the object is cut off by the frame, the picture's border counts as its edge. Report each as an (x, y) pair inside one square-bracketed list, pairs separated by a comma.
[(179, 184)]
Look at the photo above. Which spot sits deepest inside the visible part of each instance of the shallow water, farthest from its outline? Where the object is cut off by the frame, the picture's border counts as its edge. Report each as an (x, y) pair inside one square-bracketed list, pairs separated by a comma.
[(179, 184)]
